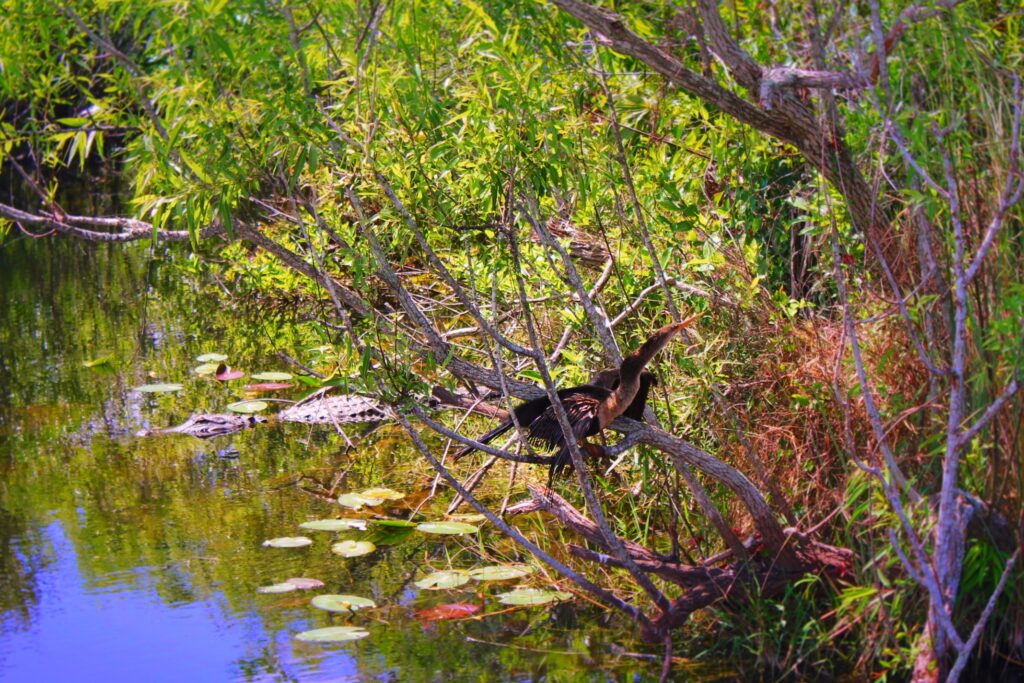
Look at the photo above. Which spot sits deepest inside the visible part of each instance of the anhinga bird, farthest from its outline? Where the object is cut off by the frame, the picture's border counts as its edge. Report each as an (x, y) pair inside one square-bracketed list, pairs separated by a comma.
[(591, 407)]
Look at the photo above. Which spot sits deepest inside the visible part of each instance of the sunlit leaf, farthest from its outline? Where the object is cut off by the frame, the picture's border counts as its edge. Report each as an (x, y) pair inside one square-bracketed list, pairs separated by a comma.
[(159, 388), (353, 548), (447, 528), (451, 578), (334, 524), (212, 358), (455, 610), (288, 542), (333, 634), (205, 369), (247, 406), (532, 596), (304, 584), (357, 500), (384, 494), (342, 603), (472, 518), (500, 572), (272, 376)]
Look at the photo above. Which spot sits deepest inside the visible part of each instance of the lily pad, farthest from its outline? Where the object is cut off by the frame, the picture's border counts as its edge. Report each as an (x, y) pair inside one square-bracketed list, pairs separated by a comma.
[(447, 528), (272, 376), (212, 358), (451, 578), (358, 500), (333, 634), (334, 524), (247, 406), (454, 610), (229, 374), (469, 518), (343, 603), (385, 494), (266, 386), (304, 584), (396, 523), (284, 587), (159, 388), (205, 369), (288, 542), (353, 548), (500, 572), (532, 596)]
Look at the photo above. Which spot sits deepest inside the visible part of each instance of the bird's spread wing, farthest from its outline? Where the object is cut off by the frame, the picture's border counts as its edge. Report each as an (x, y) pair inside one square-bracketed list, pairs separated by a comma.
[(581, 408)]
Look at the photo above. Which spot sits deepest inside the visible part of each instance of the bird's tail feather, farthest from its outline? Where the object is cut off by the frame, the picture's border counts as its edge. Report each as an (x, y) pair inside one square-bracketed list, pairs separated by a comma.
[(486, 438)]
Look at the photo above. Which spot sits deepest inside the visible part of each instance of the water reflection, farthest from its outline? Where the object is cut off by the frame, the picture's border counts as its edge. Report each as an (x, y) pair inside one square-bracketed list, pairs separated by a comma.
[(129, 558)]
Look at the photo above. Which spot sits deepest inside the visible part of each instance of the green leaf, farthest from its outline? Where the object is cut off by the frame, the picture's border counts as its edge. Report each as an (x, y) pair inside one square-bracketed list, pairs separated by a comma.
[(247, 406), (272, 376), (159, 388), (447, 528), (288, 542), (342, 603), (358, 500), (500, 572), (451, 578), (333, 634), (334, 524), (532, 596), (212, 358), (353, 548)]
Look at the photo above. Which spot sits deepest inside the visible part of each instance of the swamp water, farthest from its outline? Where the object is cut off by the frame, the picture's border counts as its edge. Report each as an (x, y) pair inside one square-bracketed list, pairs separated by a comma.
[(125, 558)]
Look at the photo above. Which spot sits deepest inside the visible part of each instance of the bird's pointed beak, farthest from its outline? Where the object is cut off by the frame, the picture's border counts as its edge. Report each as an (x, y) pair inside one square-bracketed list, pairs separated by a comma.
[(678, 327)]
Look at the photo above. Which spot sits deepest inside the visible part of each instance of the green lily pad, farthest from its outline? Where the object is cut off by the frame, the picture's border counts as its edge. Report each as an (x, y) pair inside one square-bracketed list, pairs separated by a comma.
[(272, 376), (447, 528), (247, 406), (532, 596), (451, 578), (385, 494), (334, 524), (343, 603), (288, 542), (333, 634), (158, 388), (277, 588), (206, 369), (396, 523), (358, 500), (500, 572), (212, 358), (353, 548)]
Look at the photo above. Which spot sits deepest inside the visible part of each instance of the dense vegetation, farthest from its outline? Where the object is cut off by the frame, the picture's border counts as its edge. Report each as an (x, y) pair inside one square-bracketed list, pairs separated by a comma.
[(498, 195)]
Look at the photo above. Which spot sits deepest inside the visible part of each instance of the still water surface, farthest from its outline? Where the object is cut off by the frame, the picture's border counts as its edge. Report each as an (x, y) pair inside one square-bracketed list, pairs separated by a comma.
[(137, 559)]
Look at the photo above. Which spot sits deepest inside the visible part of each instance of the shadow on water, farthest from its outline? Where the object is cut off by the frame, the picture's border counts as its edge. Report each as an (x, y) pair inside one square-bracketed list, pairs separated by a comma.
[(127, 558)]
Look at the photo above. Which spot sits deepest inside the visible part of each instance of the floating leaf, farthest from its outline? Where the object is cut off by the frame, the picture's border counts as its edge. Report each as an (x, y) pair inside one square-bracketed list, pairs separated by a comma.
[(343, 603), (334, 524), (357, 500), (454, 610), (288, 542), (447, 528), (205, 369), (451, 578), (266, 386), (285, 587), (333, 634), (229, 374), (532, 596), (212, 358), (96, 362), (468, 518), (396, 523), (272, 376), (247, 406), (353, 548), (384, 494), (158, 388), (500, 572), (304, 584)]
